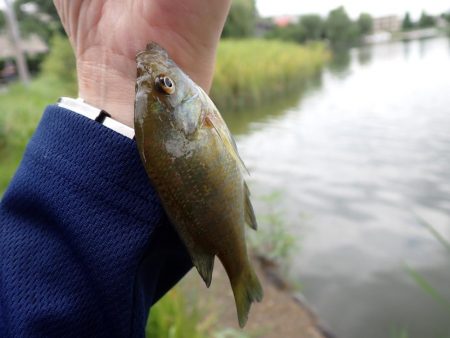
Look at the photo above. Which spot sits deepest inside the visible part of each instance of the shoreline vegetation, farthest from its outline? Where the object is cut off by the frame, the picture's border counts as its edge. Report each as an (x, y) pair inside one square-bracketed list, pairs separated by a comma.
[(252, 72)]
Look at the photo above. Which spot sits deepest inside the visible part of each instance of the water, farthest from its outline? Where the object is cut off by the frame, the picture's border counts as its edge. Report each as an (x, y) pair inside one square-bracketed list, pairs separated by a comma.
[(360, 159)]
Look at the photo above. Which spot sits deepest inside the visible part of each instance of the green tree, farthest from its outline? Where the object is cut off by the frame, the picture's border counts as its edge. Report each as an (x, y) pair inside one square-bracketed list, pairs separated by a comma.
[(60, 63), (2, 20), (312, 26), (291, 32), (365, 24), (41, 18), (426, 21), (241, 20), (340, 30), (407, 23), (446, 17)]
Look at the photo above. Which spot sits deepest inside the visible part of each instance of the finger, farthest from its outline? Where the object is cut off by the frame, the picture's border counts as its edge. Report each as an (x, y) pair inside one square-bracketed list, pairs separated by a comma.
[(68, 11)]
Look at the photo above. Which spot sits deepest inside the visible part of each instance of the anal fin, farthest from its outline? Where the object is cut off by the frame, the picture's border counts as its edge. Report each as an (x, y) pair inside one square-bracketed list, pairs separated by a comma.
[(204, 264)]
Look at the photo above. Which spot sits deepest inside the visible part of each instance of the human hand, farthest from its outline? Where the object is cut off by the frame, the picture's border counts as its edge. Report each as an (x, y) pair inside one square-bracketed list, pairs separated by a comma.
[(107, 34)]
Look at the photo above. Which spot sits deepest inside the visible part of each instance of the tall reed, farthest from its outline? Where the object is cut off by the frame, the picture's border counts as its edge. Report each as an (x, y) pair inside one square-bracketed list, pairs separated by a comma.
[(252, 72)]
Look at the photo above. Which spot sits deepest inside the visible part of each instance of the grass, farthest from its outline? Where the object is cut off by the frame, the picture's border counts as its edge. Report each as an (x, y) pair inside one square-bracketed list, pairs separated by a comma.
[(252, 72), (399, 333), (21, 107), (20, 110), (173, 317), (272, 240), (179, 316), (422, 282)]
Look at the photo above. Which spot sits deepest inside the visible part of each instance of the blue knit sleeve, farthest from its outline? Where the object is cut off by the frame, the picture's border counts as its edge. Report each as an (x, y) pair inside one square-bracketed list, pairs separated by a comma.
[(85, 247)]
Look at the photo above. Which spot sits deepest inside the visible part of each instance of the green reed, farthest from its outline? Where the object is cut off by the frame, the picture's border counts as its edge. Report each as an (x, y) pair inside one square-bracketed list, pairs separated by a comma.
[(252, 72)]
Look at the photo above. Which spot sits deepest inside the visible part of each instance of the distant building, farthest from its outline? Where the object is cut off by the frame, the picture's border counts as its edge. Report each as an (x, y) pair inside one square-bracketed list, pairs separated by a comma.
[(391, 23), (441, 22), (285, 20), (263, 26), (31, 45)]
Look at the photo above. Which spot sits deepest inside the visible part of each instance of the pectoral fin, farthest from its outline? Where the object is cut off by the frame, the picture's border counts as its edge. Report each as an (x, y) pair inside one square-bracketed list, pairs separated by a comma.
[(215, 121)]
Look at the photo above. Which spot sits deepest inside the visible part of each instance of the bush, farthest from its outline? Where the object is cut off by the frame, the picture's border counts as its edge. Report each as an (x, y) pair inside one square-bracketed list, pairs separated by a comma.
[(60, 63)]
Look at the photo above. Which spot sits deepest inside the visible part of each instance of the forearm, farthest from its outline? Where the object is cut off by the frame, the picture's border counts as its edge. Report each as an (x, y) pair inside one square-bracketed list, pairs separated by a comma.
[(85, 247)]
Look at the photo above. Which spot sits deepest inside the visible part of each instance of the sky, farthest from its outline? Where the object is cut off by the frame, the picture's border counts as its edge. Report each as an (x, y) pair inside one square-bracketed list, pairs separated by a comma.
[(353, 7)]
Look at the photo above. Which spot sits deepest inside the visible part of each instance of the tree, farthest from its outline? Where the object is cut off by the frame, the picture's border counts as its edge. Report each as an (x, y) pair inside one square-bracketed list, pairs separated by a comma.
[(41, 18), (340, 30), (312, 27), (291, 32), (426, 20), (241, 20), (407, 23), (365, 24), (446, 17), (2, 20)]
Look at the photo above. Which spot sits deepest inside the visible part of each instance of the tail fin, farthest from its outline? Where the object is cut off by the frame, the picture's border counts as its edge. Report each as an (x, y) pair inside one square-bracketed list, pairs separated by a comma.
[(246, 289)]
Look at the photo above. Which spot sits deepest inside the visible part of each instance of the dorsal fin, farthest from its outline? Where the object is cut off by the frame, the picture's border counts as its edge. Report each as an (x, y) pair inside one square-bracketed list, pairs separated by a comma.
[(250, 218)]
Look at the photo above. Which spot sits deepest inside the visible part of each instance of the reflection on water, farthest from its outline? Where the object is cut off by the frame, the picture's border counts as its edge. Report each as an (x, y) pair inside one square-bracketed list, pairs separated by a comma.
[(362, 156), (340, 63), (242, 122), (365, 55)]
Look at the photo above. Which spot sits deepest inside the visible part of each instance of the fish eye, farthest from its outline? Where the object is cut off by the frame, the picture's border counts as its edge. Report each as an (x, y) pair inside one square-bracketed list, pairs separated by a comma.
[(165, 84)]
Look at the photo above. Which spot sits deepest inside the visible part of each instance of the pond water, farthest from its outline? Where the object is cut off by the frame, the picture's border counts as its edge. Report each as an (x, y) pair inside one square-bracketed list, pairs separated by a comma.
[(361, 159)]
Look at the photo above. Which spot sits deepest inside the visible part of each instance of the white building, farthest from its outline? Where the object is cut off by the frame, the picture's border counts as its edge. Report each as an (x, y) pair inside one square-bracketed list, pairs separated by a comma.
[(391, 23)]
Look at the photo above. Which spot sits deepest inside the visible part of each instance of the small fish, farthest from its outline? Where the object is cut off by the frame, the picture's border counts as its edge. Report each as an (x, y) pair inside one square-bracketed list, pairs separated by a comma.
[(193, 163)]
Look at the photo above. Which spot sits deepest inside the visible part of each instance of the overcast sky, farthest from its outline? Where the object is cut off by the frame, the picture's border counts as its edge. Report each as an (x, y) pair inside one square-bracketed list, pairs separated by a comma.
[(353, 7)]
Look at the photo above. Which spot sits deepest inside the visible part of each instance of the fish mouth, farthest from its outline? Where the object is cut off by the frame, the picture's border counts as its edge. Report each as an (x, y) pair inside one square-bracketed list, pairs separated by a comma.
[(154, 47), (153, 52)]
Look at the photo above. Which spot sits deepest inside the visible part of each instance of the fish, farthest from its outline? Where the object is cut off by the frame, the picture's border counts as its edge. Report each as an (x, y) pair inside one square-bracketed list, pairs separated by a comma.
[(193, 163)]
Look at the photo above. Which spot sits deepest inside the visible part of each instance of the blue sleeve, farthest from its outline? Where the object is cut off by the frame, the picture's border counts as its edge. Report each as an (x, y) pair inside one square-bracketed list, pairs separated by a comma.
[(85, 246)]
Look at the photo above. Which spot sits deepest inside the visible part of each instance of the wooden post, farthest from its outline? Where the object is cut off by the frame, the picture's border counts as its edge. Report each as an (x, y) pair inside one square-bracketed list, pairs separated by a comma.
[(17, 42)]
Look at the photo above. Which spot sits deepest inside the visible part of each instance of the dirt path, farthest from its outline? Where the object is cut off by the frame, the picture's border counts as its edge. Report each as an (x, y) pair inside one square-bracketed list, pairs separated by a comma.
[(278, 315)]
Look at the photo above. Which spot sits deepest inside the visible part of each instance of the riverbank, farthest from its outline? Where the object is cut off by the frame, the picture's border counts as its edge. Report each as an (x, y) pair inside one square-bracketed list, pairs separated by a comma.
[(280, 314), (416, 34)]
